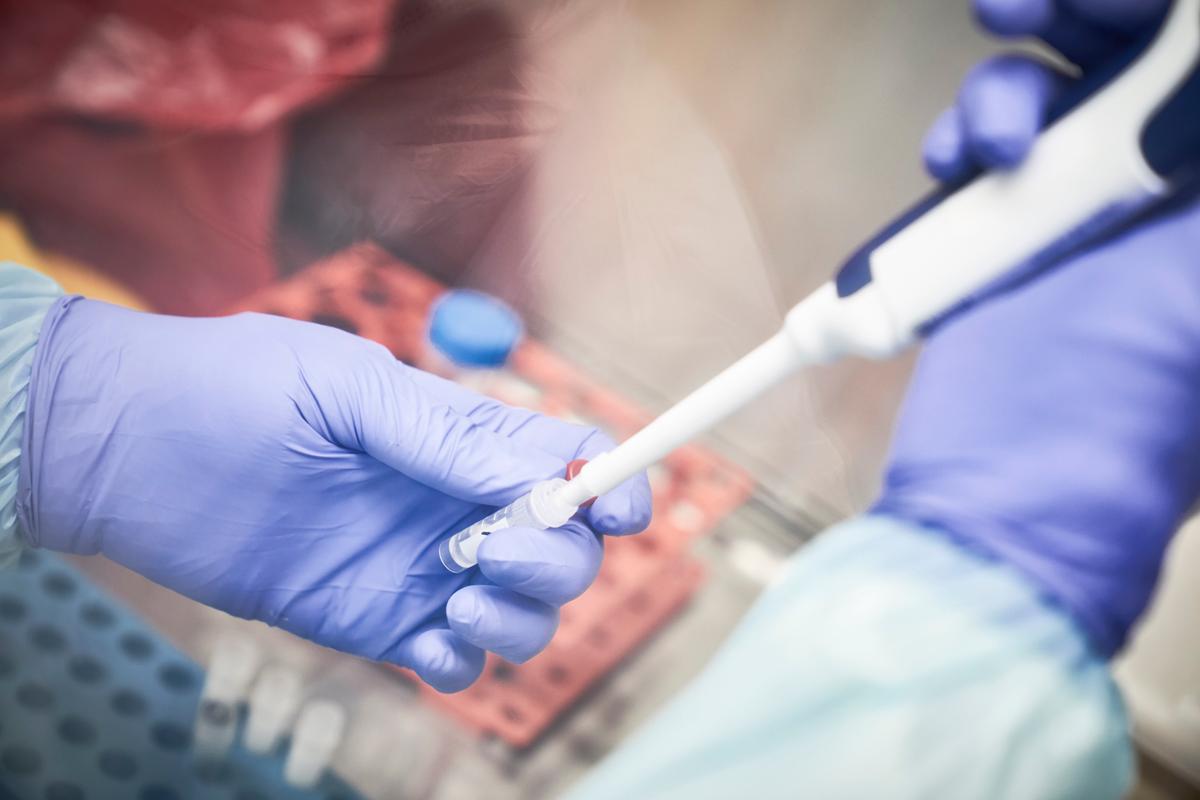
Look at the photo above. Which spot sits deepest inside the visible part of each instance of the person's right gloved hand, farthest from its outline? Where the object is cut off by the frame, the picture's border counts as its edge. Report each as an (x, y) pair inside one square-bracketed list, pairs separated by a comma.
[(299, 475), (1056, 427)]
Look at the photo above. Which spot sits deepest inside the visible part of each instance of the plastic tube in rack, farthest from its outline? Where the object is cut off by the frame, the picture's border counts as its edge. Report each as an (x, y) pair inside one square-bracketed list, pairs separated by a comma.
[(273, 703), (316, 738), (542, 508), (234, 662)]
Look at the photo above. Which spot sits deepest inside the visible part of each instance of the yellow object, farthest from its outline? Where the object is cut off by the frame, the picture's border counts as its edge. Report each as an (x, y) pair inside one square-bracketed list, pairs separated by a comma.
[(73, 277)]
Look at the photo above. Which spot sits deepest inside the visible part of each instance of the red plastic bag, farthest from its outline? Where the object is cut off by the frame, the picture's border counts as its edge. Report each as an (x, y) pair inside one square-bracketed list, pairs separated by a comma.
[(171, 64), (146, 137)]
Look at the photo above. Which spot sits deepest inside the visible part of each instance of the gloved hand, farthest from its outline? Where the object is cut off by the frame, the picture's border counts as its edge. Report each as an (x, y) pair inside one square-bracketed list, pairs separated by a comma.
[(296, 474), (1057, 426), (1004, 101)]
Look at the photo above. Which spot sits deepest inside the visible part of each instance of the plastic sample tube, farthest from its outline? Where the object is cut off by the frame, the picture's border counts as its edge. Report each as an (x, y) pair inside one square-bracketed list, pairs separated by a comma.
[(273, 703), (544, 507), (316, 738), (215, 729), (234, 662)]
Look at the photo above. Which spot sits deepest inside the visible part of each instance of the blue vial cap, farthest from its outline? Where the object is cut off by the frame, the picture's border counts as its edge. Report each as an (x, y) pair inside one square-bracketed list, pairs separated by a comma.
[(473, 329)]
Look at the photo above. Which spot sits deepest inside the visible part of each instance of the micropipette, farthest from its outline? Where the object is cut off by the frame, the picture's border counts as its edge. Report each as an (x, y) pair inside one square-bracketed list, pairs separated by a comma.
[(1121, 145)]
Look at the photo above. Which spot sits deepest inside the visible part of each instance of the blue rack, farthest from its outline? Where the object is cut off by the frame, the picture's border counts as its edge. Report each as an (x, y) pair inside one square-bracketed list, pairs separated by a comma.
[(95, 705)]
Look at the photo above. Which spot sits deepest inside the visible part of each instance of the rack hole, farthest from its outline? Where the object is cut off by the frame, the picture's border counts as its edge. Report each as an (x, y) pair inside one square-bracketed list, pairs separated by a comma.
[(177, 677), (11, 608), (170, 736), (638, 602), (97, 616), (47, 639), (20, 760), (156, 791), (511, 713), (76, 730), (645, 542), (137, 646), (598, 637), (557, 674), (60, 790), (118, 764), (216, 712), (128, 704), (334, 321), (214, 771), (86, 669), (503, 672), (374, 291), (58, 584), (35, 696)]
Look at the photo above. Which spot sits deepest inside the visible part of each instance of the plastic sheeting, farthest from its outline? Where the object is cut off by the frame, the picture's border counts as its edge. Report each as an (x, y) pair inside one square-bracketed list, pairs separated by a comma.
[(147, 137)]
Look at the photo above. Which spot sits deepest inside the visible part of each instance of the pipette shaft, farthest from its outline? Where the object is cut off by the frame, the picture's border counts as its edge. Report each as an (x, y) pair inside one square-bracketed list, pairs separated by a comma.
[(1122, 149)]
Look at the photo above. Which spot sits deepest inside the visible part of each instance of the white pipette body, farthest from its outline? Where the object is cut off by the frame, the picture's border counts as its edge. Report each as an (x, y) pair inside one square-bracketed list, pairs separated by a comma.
[(1117, 153)]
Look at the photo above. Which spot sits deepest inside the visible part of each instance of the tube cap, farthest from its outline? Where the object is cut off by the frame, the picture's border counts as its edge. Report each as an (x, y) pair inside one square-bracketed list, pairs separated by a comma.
[(474, 329)]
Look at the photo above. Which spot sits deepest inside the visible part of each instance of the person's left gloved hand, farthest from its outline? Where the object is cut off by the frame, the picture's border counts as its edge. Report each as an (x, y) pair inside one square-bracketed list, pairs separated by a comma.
[(296, 474)]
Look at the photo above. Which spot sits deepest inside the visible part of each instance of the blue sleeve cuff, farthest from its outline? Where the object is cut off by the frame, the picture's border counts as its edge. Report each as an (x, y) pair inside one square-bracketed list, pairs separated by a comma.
[(25, 298)]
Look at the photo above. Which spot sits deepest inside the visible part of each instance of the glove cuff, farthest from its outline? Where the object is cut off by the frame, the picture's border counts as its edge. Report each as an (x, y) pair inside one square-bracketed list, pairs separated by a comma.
[(38, 388)]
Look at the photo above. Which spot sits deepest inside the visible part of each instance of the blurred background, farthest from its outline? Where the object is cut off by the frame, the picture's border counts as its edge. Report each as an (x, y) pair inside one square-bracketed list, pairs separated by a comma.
[(650, 184)]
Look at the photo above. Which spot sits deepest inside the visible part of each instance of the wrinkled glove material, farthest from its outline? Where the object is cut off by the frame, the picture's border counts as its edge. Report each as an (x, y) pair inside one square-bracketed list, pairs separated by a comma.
[(296, 474)]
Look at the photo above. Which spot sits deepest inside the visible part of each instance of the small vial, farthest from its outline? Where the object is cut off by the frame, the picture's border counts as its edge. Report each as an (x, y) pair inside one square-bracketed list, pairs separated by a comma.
[(233, 664), (215, 729), (234, 661), (273, 703), (542, 508), (317, 736)]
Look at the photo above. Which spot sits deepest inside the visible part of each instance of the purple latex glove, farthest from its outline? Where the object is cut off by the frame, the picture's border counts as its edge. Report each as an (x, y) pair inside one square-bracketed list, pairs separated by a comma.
[(296, 474), (1057, 426), (1004, 101)]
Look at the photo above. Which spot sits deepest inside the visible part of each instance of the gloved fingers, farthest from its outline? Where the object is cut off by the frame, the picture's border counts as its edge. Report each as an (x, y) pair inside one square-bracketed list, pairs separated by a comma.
[(441, 658), (486, 412), (1003, 105), (1013, 18), (625, 509), (1085, 32), (553, 566), (511, 625), (1001, 108), (421, 435), (945, 150)]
